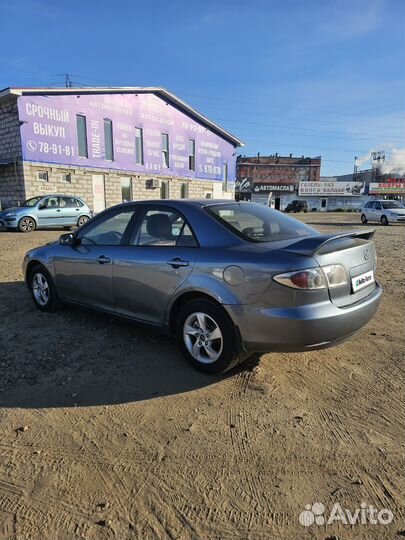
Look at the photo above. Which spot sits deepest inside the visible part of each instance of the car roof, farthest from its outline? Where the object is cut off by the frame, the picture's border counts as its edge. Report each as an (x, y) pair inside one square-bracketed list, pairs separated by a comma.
[(56, 195), (185, 202)]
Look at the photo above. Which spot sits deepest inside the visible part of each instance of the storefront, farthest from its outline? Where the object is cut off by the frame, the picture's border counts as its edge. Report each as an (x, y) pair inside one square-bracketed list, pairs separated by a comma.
[(274, 195), (392, 188), (333, 195)]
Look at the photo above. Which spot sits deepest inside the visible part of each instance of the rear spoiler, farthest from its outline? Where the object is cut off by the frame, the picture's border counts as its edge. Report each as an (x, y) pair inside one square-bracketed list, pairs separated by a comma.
[(312, 244)]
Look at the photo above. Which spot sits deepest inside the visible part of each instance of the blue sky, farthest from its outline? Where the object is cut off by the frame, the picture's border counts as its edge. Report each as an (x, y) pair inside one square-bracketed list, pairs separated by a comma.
[(312, 77)]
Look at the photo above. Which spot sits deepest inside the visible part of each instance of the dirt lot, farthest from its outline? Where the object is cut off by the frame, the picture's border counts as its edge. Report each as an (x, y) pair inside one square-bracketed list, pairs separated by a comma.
[(124, 440)]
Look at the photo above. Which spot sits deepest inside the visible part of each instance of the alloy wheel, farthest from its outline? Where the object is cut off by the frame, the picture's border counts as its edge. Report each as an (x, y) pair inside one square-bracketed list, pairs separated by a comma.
[(27, 225), (203, 338), (40, 288), (82, 220)]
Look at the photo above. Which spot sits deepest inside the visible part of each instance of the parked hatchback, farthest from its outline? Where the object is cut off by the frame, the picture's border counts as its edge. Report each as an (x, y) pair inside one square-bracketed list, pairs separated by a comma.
[(383, 211), (227, 279), (46, 211)]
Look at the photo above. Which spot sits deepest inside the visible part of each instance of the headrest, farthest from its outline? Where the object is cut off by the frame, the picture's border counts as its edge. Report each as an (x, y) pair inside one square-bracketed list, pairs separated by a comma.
[(159, 226)]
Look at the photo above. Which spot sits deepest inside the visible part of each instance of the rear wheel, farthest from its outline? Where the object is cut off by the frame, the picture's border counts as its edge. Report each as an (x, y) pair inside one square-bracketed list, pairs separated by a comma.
[(206, 337), (363, 219), (26, 224), (43, 289), (82, 220), (384, 220)]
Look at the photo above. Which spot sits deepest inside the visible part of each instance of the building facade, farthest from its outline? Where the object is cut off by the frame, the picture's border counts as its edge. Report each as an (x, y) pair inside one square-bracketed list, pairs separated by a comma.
[(274, 180), (109, 145)]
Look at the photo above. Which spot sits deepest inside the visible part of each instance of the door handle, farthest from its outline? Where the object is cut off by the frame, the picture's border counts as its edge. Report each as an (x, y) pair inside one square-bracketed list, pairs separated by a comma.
[(177, 262), (58, 210), (104, 260)]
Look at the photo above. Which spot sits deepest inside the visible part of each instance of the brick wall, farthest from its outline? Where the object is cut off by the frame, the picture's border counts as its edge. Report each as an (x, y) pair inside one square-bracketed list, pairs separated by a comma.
[(11, 175), (278, 169), (10, 140)]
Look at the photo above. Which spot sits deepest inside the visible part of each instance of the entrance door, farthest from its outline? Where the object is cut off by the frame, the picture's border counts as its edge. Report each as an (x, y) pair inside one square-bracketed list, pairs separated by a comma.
[(277, 203), (324, 205), (98, 193)]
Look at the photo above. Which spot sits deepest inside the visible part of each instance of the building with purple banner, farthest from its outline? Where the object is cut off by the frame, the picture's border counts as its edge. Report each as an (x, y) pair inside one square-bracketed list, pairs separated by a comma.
[(109, 145)]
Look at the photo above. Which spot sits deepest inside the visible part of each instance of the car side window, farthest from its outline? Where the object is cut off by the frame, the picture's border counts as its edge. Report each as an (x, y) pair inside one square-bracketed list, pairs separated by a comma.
[(49, 203), (68, 202), (377, 206), (108, 230), (165, 228)]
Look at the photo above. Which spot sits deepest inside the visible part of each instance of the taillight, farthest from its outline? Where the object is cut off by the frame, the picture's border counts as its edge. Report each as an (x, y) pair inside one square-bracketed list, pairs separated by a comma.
[(333, 275), (313, 278)]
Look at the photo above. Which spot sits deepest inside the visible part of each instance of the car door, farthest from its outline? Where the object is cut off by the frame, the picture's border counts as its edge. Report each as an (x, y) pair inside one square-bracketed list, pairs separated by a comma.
[(377, 211), (159, 257), (49, 212), (70, 210), (84, 270)]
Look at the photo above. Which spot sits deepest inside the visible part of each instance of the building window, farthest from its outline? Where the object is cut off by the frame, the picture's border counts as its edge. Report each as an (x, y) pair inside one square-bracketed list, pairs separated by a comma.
[(126, 189), (164, 189), (108, 140), (165, 150), (225, 172), (66, 177), (184, 190), (43, 176), (82, 135), (139, 146), (191, 154)]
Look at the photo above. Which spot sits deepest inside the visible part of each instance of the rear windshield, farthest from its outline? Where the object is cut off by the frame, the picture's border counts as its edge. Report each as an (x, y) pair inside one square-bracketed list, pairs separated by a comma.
[(392, 204), (258, 223)]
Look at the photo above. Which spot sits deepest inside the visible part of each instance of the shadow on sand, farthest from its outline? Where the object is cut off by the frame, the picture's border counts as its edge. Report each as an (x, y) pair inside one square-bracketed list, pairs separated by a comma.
[(79, 358)]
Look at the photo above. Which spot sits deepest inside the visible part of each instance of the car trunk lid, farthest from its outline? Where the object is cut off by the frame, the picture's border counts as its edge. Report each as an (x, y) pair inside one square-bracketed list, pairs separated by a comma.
[(354, 250)]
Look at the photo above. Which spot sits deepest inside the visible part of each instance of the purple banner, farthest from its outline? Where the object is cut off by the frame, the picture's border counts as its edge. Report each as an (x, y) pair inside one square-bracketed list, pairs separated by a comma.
[(49, 134)]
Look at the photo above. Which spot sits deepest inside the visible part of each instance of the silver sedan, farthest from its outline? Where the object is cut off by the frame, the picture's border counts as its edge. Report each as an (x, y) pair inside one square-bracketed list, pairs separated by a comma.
[(227, 279)]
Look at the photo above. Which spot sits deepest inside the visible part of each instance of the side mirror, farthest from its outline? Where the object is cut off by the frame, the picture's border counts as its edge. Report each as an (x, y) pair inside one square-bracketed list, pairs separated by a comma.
[(68, 239), (41, 206)]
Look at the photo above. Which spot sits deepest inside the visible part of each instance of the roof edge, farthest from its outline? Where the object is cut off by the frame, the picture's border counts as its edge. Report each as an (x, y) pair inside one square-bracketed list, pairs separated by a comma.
[(159, 90)]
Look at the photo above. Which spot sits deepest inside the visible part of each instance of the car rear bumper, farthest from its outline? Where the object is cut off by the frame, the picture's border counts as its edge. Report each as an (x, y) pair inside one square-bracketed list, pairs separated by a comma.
[(302, 328)]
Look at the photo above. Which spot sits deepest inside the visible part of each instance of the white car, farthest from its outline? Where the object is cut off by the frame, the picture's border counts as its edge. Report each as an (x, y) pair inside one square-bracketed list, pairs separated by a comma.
[(383, 211)]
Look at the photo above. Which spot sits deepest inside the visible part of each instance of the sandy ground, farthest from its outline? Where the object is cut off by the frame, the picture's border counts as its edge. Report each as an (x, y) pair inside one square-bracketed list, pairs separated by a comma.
[(123, 440)]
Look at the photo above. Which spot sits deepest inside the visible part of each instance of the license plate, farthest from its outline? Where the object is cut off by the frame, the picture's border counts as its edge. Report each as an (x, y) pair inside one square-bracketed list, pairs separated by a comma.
[(363, 280)]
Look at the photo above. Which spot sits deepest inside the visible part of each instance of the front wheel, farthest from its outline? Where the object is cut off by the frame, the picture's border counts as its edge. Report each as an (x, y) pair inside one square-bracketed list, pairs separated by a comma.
[(206, 337), (363, 219), (26, 224), (43, 289), (384, 220), (82, 220)]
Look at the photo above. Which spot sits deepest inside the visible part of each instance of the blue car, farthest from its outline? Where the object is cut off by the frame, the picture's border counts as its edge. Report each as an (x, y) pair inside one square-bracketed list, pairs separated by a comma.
[(46, 211)]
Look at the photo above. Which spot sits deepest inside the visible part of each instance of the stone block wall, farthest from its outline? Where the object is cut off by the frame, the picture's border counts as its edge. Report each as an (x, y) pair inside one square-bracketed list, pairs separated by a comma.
[(11, 174), (81, 184)]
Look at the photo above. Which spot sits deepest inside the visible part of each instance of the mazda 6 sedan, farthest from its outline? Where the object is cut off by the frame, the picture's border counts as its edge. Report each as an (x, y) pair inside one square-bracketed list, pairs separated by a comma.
[(227, 279)]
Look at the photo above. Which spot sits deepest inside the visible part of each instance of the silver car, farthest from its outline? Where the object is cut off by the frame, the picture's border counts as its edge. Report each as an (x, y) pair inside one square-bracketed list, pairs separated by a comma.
[(227, 279), (46, 211), (383, 211)]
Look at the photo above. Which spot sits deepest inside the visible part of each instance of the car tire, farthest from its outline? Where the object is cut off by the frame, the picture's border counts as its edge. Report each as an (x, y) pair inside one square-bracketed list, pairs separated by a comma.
[(43, 290), (26, 224), (384, 220), (82, 220), (363, 219), (198, 319)]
